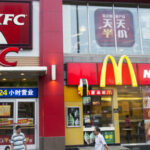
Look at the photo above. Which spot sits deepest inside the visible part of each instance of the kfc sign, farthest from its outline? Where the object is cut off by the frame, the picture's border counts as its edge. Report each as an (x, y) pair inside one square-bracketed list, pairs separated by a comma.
[(104, 28), (3, 53), (15, 24), (11, 17)]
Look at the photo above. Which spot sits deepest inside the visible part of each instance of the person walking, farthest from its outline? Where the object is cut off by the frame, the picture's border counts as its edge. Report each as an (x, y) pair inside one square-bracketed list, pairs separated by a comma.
[(18, 140), (99, 140), (128, 128)]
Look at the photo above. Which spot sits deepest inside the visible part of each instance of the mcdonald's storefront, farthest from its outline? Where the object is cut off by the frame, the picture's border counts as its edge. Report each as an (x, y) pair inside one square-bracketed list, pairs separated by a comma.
[(111, 95)]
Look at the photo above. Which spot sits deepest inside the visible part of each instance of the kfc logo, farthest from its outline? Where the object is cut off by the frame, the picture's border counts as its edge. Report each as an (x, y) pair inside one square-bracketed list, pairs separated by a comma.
[(15, 24), (11, 17), (3, 53)]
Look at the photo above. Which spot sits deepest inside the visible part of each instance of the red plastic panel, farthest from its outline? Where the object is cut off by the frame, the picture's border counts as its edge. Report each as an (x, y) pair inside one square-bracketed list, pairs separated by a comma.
[(76, 71), (143, 74)]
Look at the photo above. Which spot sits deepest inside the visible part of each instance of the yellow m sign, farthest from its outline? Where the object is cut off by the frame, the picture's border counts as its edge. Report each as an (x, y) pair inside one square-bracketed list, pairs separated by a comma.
[(117, 71)]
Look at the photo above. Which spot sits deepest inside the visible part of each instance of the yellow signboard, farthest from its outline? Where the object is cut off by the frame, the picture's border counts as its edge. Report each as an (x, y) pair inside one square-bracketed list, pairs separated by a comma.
[(5, 110)]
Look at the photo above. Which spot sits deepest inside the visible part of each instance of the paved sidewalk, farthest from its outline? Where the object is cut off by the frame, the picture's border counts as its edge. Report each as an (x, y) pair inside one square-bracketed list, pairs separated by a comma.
[(110, 147)]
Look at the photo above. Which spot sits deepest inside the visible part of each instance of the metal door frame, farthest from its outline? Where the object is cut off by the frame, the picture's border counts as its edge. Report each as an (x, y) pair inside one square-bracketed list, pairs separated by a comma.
[(15, 117)]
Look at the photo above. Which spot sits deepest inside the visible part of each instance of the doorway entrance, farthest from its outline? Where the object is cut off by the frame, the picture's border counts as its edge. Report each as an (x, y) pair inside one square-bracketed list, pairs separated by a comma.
[(131, 115), (21, 112)]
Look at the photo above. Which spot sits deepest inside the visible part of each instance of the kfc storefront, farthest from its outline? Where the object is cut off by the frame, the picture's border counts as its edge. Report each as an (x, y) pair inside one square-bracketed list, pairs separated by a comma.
[(31, 74), (103, 94), (20, 71)]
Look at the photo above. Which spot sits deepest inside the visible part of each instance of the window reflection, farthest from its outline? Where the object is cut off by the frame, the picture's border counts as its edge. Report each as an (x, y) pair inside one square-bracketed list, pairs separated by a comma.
[(97, 111), (145, 29), (101, 30), (127, 30), (106, 29)]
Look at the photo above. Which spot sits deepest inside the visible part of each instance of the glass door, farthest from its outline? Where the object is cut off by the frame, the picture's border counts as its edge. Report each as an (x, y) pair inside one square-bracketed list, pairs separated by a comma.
[(7, 121), (27, 120), (18, 112)]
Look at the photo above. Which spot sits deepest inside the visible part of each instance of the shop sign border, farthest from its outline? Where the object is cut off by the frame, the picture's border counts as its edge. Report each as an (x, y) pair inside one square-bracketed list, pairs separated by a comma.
[(18, 92)]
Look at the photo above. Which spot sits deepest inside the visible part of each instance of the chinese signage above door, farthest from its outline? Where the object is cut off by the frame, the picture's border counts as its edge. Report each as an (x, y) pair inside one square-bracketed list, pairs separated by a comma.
[(124, 28), (15, 24), (109, 73), (18, 92), (100, 92)]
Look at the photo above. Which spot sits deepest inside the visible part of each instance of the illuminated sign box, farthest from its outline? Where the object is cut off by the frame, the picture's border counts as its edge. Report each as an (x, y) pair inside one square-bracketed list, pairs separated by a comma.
[(18, 92), (16, 24)]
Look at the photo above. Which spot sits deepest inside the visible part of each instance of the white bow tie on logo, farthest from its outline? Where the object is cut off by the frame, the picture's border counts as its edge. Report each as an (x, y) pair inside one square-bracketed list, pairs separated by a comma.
[(2, 39)]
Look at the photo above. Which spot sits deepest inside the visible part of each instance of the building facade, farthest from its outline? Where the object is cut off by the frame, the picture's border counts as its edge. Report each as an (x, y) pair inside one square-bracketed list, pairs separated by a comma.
[(71, 66), (106, 64)]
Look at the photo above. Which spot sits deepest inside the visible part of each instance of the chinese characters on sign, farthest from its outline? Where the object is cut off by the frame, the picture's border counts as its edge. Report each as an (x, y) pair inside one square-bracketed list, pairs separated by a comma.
[(16, 24), (21, 121), (104, 28), (18, 92), (100, 92)]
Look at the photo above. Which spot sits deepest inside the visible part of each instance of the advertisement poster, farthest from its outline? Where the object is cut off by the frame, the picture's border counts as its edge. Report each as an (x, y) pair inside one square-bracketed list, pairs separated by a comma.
[(5, 110), (73, 117), (89, 137), (5, 139), (104, 28), (10, 121)]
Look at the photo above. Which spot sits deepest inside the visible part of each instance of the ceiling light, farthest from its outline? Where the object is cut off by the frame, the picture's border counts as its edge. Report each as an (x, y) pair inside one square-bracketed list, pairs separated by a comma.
[(22, 74), (4, 79)]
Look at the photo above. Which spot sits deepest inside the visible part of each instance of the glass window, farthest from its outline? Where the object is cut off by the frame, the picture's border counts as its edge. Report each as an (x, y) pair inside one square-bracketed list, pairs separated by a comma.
[(127, 30), (70, 28), (75, 29), (102, 39), (131, 115), (106, 29), (97, 111), (145, 28), (6, 122), (26, 118)]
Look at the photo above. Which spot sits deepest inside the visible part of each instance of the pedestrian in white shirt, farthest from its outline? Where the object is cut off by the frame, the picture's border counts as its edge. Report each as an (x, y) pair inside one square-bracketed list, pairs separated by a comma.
[(99, 140), (18, 140)]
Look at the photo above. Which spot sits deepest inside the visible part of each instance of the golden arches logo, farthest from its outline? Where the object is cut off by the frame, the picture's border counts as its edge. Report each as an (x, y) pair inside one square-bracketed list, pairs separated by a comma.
[(117, 71)]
